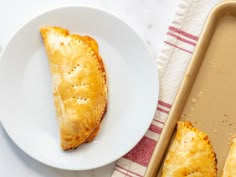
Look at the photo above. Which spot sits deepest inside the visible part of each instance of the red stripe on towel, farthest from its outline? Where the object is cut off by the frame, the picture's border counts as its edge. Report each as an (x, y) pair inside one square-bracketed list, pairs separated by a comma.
[(161, 122), (129, 171), (123, 172), (162, 110), (162, 103), (179, 31), (142, 152), (155, 129), (182, 39), (178, 47)]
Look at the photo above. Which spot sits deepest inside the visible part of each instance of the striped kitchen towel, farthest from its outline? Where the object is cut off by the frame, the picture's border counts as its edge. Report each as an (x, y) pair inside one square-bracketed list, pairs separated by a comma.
[(172, 61)]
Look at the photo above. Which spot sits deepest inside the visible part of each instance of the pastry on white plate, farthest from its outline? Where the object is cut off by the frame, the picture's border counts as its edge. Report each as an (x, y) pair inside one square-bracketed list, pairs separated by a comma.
[(79, 84)]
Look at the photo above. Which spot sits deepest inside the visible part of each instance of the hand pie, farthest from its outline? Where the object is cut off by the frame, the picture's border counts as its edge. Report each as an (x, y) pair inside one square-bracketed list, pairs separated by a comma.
[(190, 154), (230, 164), (79, 84)]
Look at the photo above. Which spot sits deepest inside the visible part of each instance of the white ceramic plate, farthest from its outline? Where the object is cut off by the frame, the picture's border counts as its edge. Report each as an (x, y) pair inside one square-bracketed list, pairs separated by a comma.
[(26, 105)]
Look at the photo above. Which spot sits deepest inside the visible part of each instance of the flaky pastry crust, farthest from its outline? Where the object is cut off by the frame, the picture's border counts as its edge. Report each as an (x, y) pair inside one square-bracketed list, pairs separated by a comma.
[(190, 154), (229, 169), (79, 84)]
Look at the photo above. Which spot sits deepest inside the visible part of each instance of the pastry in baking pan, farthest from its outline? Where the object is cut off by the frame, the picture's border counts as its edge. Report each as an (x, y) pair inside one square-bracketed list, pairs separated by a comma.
[(229, 169), (190, 154), (79, 84)]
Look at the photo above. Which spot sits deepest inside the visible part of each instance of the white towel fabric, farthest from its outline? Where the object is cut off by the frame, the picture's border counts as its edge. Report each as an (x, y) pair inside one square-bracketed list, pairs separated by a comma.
[(172, 62)]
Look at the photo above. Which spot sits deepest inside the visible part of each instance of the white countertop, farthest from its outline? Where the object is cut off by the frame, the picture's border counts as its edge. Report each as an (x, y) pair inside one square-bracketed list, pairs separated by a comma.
[(150, 18)]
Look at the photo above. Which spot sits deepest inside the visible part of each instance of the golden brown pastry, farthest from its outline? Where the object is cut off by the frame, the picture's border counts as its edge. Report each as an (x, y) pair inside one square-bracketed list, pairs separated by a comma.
[(190, 154), (79, 84), (230, 163)]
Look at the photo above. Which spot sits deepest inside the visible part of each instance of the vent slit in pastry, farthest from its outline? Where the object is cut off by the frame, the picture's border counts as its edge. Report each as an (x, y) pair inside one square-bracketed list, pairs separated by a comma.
[(79, 84)]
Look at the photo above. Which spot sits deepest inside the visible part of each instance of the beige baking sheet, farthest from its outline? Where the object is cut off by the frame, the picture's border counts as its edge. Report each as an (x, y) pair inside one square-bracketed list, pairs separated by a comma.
[(207, 95)]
